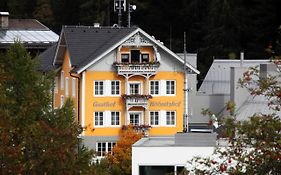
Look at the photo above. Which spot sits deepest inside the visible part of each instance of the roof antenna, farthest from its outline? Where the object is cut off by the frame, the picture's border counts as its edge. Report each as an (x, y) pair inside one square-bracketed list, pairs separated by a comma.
[(119, 6)]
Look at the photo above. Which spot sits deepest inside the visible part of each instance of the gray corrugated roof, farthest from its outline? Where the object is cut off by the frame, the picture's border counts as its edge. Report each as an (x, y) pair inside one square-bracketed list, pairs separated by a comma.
[(87, 43), (217, 80), (254, 105), (46, 59)]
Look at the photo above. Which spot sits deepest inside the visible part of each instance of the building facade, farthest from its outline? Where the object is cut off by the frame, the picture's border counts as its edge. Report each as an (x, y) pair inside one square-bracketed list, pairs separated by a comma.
[(117, 77)]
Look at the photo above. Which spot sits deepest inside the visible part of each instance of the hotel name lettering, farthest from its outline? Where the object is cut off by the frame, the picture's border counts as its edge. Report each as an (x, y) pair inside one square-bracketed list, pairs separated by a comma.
[(104, 104), (165, 104)]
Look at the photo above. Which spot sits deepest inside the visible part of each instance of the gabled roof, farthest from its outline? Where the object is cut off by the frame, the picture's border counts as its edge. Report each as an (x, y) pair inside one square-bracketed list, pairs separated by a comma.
[(30, 32), (46, 59), (87, 44)]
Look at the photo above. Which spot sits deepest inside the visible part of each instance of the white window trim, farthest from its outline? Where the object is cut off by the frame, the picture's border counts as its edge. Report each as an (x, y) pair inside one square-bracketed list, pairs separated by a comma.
[(174, 90), (66, 86), (120, 88), (175, 118), (62, 80), (143, 53), (73, 87), (106, 146), (135, 82), (159, 118), (56, 85), (61, 101), (120, 121), (97, 95), (136, 112), (159, 88), (94, 119)]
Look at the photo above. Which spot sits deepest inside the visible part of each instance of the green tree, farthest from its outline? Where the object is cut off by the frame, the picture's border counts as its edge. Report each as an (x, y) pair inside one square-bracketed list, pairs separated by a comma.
[(34, 138), (44, 13)]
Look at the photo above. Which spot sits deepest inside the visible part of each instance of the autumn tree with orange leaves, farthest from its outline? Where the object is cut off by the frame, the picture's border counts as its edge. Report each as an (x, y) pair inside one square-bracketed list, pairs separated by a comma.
[(121, 156)]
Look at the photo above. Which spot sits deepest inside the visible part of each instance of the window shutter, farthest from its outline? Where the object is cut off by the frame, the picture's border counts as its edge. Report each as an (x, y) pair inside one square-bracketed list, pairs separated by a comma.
[(162, 118), (162, 87), (107, 118), (107, 87)]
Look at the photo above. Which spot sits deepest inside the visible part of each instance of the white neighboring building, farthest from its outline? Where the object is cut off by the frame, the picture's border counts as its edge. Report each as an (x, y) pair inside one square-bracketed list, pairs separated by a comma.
[(161, 155)]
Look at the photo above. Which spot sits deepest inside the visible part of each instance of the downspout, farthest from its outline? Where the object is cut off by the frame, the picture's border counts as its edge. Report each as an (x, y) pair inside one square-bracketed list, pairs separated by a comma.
[(78, 97)]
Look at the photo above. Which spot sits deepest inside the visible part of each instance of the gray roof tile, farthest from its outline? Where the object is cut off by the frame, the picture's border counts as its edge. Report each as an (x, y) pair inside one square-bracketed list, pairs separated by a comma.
[(87, 43)]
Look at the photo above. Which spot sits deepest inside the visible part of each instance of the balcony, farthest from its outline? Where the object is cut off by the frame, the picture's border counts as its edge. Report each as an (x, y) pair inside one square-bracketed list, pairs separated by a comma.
[(136, 100), (150, 68)]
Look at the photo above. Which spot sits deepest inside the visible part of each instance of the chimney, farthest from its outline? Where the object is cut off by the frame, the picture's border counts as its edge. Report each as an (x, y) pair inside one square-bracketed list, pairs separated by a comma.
[(96, 25), (241, 59), (4, 20)]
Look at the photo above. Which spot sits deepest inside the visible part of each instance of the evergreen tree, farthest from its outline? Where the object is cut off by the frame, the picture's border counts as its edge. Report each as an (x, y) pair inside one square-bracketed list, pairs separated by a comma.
[(34, 138)]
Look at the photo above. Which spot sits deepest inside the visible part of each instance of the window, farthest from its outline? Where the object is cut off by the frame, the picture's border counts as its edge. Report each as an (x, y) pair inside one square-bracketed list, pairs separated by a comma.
[(135, 56), (73, 87), (170, 118), (66, 86), (98, 87), (110, 145), (62, 80), (115, 87), (154, 118), (102, 148), (135, 119), (135, 88), (154, 87), (61, 100), (124, 58), (170, 87), (144, 58), (98, 118), (56, 84), (115, 118)]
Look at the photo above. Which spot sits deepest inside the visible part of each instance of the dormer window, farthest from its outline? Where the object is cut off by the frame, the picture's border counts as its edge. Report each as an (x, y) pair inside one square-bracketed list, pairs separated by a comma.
[(124, 58), (144, 58)]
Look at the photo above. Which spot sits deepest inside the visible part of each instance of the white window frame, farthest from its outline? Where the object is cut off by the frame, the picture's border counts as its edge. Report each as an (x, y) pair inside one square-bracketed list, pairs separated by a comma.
[(56, 84), (150, 112), (103, 87), (150, 87), (144, 53), (140, 116), (175, 87), (115, 81), (73, 89), (135, 82), (107, 149), (114, 125), (62, 80), (175, 118), (66, 86), (61, 101), (95, 119)]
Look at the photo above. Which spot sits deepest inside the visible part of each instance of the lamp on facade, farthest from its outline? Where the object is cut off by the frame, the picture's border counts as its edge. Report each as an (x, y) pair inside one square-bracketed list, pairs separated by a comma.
[(130, 9)]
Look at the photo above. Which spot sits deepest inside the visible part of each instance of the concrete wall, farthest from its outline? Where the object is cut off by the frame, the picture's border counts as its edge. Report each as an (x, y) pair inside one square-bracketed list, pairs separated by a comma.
[(174, 156), (213, 102)]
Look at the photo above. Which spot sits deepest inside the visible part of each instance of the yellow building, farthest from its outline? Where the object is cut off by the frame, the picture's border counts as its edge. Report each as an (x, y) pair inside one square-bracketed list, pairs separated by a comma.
[(117, 77)]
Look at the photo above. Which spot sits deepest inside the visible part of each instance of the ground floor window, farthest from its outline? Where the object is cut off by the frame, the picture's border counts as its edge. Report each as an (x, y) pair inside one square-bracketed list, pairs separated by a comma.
[(103, 148)]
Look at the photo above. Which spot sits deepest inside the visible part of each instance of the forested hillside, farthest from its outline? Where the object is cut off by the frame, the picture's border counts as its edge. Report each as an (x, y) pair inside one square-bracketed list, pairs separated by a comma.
[(215, 28)]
